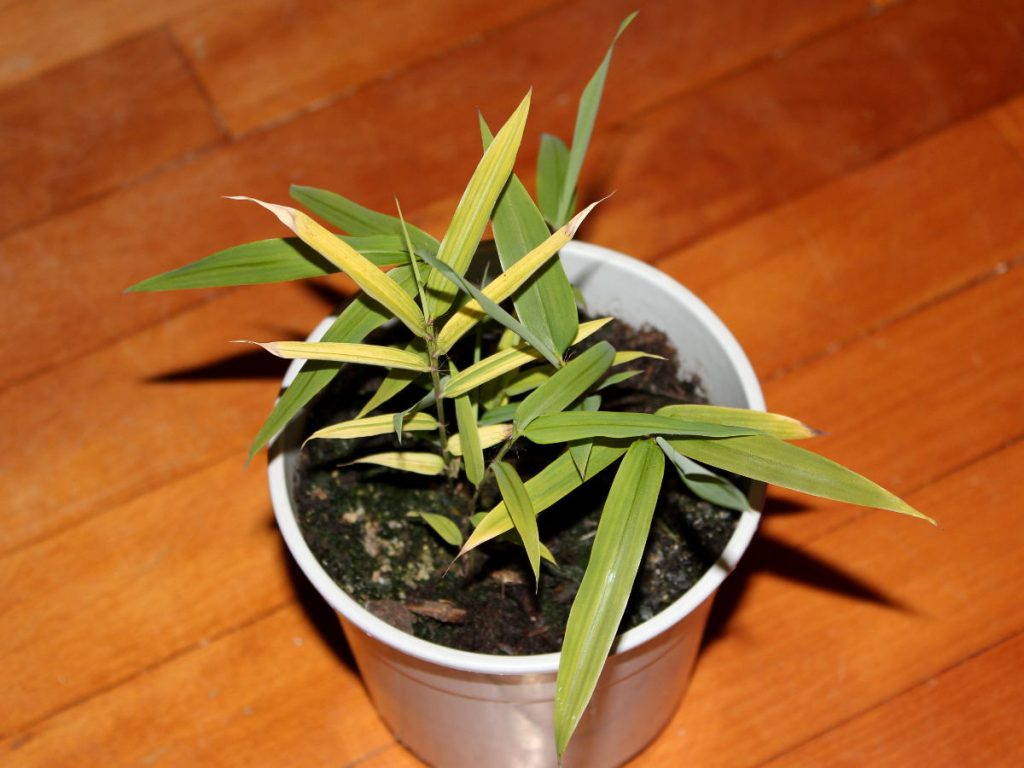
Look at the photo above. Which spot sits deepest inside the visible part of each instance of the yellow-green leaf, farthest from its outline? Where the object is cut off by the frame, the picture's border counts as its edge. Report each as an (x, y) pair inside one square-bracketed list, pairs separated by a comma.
[(773, 424), (363, 271), (507, 360), (394, 383), (490, 436), (587, 425), (474, 209), (505, 284), (629, 355), (343, 352), (601, 600), (520, 509), (566, 385), (548, 486), (442, 526), (381, 424), (407, 461), (469, 438), (704, 483)]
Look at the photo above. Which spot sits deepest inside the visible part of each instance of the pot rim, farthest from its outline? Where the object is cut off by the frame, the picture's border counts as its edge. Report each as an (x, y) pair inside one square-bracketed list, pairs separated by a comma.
[(538, 663)]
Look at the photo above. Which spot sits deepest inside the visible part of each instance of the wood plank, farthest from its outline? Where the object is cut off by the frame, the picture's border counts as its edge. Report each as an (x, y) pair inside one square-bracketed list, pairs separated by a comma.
[(913, 402), (895, 604), (134, 586), (770, 133), (97, 124), (39, 35), (263, 61), (142, 412), (1009, 120), (178, 217), (803, 265), (955, 718), (272, 694)]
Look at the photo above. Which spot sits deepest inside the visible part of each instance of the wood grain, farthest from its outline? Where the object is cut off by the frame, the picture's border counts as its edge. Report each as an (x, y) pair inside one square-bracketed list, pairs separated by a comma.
[(957, 717), (144, 110), (842, 181)]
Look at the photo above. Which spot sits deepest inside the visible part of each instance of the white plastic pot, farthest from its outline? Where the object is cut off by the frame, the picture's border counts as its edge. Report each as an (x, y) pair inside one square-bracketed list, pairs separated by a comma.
[(454, 708)]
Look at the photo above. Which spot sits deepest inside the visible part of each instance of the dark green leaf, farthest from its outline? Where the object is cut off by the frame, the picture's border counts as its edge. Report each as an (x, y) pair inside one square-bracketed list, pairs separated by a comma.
[(552, 163), (566, 385), (704, 483), (520, 509)]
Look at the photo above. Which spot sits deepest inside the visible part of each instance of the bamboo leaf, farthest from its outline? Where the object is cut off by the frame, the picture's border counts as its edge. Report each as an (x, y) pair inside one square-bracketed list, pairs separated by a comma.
[(357, 220), (547, 304), (342, 352), (618, 378), (358, 319), (443, 526), (704, 483), (520, 509), (469, 438), (394, 382), (492, 309), (601, 600), (506, 360), (474, 209), (508, 282), (586, 425), (629, 355), (566, 385), (382, 424), (366, 275), (548, 486), (552, 164), (766, 458), (267, 261), (586, 115), (774, 424), (490, 436), (527, 381), (407, 461), (580, 449)]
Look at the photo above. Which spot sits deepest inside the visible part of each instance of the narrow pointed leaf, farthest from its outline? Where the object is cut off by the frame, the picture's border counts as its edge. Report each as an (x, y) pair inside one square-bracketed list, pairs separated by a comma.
[(469, 438), (618, 378), (580, 449), (552, 164), (527, 381), (406, 461), (474, 209), (774, 424), (367, 276), (520, 509), (268, 261), (515, 276), (443, 526), (548, 486), (566, 385), (394, 383), (382, 424), (495, 312), (343, 352), (585, 425), (507, 360), (704, 483), (601, 600), (356, 219), (547, 305), (629, 355), (766, 458), (586, 115), (358, 319), (499, 414), (490, 436)]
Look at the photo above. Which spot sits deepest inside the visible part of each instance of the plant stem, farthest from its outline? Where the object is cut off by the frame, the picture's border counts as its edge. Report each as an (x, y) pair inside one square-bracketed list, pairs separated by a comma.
[(506, 446), (435, 377)]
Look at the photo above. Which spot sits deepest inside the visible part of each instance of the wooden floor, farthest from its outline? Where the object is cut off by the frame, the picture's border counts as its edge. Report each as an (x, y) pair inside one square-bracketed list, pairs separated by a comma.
[(843, 182)]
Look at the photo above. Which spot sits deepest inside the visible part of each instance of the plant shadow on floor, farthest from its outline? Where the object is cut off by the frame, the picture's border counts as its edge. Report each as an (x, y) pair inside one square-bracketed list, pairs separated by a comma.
[(320, 614), (768, 555)]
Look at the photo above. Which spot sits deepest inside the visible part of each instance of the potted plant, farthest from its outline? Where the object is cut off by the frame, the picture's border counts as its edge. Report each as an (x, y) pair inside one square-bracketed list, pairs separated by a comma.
[(504, 405)]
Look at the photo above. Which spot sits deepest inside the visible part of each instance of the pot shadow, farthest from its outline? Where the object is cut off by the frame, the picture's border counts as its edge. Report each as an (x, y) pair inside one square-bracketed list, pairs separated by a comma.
[(770, 555), (320, 614), (256, 364)]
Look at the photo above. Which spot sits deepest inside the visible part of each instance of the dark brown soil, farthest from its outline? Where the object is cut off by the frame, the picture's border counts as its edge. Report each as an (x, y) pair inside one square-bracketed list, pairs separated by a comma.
[(358, 522)]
